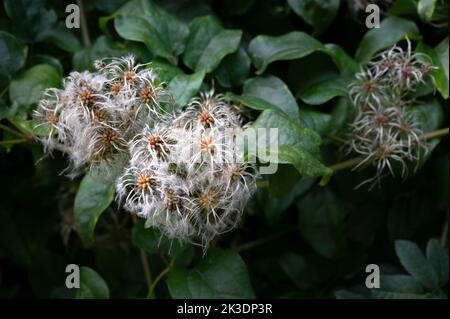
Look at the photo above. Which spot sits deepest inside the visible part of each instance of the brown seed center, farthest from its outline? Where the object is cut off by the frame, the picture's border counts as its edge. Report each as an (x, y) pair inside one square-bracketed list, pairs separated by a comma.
[(171, 199), (369, 87), (128, 77), (115, 88), (207, 145), (52, 119), (110, 136), (206, 119), (156, 143), (208, 199), (145, 181), (87, 97), (146, 94)]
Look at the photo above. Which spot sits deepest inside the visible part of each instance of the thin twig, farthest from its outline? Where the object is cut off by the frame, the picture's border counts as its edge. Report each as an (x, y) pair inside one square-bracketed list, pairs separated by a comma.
[(10, 130), (25, 134), (159, 277), (84, 27), (145, 266), (336, 138), (355, 161), (264, 240), (16, 141), (261, 183), (4, 91), (437, 133), (346, 164)]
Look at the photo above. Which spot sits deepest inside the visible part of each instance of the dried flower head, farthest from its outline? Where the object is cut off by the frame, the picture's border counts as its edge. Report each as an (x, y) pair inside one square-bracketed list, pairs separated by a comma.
[(179, 169), (385, 129)]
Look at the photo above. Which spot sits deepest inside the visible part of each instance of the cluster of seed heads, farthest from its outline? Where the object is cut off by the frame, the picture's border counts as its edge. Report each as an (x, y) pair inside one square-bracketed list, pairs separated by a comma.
[(385, 130), (181, 169)]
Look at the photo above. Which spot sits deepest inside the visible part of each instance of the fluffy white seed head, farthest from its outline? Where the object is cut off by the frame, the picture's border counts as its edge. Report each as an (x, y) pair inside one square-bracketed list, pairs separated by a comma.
[(180, 168), (385, 130)]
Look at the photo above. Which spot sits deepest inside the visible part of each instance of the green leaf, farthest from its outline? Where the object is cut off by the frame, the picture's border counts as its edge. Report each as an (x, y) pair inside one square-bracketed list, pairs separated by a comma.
[(321, 221), (325, 90), (101, 48), (403, 7), (12, 53), (202, 30), (234, 69), (143, 21), (233, 8), (317, 13), (282, 192), (325, 81), (273, 92), (177, 282), (437, 256), (164, 71), (295, 45), (398, 295), (92, 285), (93, 197), (346, 64), (224, 43), (139, 29), (30, 19), (305, 271), (208, 43), (266, 49), (47, 59), (64, 39), (400, 284), (152, 241), (252, 102), (439, 58), (27, 88), (187, 10), (341, 114), (391, 31), (442, 53), (108, 6), (428, 113), (413, 260), (222, 274), (183, 87), (296, 145), (433, 12), (347, 294), (425, 9), (314, 120), (30, 126)]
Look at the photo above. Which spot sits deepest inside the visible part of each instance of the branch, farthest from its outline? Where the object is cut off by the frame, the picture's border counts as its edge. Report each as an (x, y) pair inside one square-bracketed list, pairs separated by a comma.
[(355, 161), (159, 277), (437, 133), (84, 27), (262, 241), (145, 266)]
